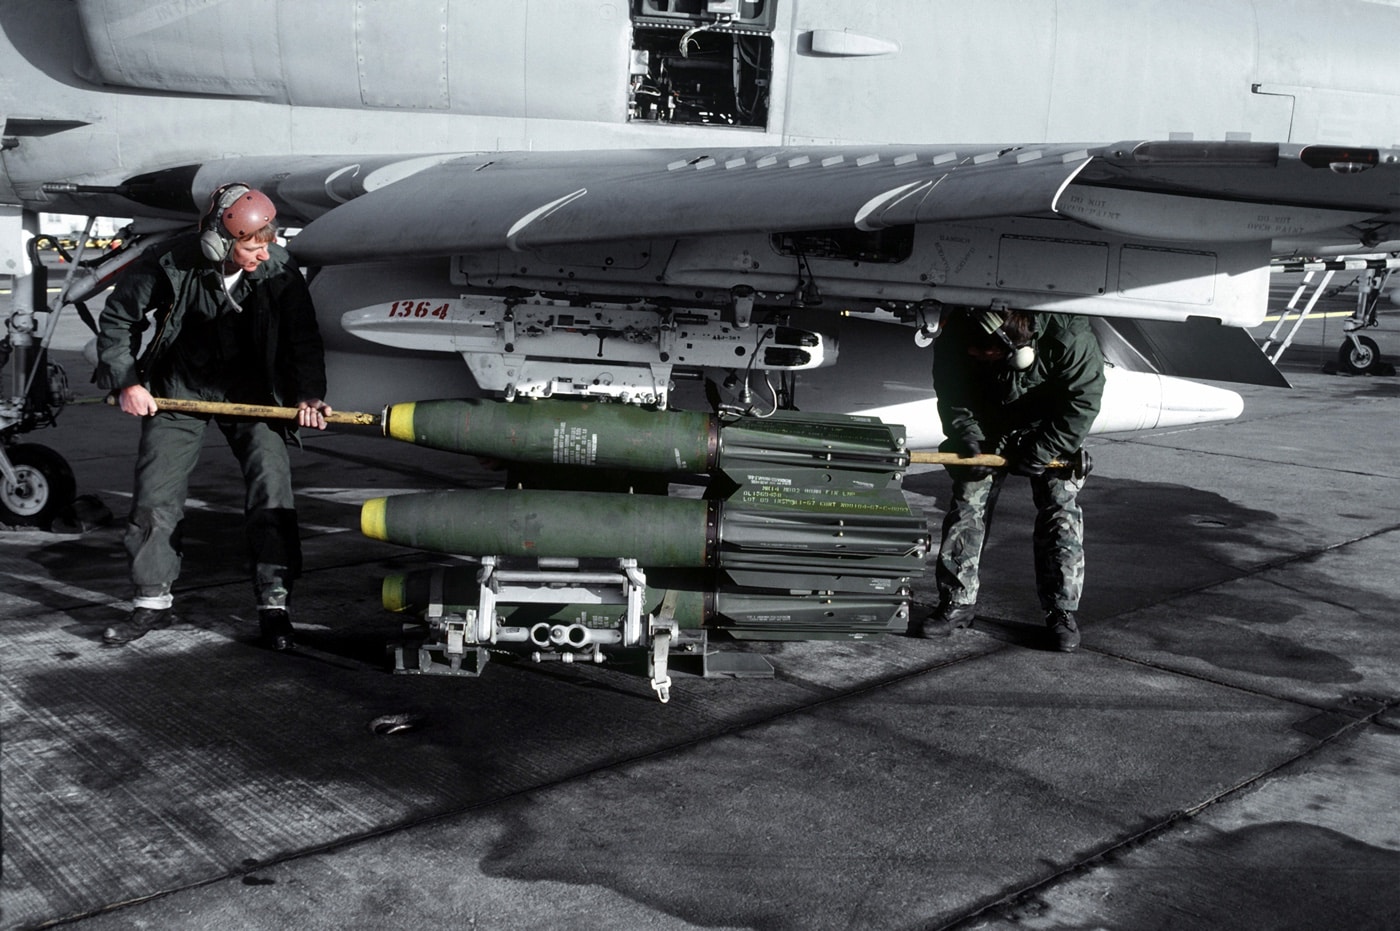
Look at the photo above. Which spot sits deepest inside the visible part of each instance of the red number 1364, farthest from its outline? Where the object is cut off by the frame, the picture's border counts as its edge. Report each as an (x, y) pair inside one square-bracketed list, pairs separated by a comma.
[(418, 309)]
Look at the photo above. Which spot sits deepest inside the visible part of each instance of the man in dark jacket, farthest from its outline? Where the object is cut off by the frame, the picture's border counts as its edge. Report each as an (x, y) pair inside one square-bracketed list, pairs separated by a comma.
[(233, 322), (1026, 387)]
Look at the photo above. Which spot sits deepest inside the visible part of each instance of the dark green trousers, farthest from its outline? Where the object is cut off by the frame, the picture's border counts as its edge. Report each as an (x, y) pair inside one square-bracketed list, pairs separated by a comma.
[(169, 451)]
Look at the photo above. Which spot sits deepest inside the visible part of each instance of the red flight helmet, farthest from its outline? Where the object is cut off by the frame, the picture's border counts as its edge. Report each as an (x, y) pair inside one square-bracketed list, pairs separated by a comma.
[(250, 212), (235, 211)]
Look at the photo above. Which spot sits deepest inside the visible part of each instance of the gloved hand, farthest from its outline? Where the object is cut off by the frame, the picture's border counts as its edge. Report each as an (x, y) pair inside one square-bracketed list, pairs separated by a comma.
[(1026, 467), (965, 449), (1022, 459)]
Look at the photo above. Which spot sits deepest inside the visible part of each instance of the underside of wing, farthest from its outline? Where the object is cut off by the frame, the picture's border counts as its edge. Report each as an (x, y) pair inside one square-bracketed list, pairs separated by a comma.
[(1163, 191), (1235, 191), (521, 201)]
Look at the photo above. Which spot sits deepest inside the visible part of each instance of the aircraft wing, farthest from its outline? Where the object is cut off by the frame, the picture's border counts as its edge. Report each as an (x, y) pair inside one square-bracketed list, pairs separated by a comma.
[(1180, 191), (529, 200)]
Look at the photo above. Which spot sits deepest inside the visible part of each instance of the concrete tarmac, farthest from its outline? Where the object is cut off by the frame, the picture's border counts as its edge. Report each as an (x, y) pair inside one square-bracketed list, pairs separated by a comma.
[(1223, 750)]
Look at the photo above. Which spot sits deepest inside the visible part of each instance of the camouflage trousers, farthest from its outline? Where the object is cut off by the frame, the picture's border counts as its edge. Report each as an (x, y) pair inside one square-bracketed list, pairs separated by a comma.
[(1058, 539)]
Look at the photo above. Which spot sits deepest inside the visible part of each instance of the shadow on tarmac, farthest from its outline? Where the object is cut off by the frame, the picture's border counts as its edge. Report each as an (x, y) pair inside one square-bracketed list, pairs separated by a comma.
[(1223, 751)]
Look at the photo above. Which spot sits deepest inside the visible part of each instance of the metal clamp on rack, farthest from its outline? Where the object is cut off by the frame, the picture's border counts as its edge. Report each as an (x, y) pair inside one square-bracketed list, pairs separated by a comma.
[(575, 609), (567, 609)]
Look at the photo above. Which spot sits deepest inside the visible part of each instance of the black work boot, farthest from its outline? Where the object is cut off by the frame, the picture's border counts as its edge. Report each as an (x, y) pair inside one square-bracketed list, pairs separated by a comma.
[(141, 622), (1063, 630), (942, 621), (276, 627)]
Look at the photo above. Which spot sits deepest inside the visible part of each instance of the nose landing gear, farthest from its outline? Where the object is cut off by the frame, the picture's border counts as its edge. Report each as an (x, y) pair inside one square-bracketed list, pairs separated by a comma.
[(1357, 355)]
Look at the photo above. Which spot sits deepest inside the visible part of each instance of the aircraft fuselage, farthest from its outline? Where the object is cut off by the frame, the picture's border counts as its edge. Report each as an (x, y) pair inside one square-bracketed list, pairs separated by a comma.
[(138, 85)]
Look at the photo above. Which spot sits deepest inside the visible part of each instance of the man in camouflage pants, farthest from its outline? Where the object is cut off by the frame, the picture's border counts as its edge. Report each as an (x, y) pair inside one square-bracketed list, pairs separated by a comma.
[(1026, 387)]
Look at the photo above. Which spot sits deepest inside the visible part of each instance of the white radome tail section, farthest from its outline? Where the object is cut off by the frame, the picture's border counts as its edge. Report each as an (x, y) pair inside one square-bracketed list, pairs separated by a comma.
[(1131, 401), (884, 376), (1146, 401)]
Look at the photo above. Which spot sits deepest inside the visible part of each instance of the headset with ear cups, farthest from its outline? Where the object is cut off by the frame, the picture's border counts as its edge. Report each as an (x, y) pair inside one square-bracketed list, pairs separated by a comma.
[(235, 211), (992, 321)]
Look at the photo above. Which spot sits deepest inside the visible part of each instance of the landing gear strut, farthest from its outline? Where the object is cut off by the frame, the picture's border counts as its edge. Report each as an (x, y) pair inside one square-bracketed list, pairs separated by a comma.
[(36, 483), (1358, 354)]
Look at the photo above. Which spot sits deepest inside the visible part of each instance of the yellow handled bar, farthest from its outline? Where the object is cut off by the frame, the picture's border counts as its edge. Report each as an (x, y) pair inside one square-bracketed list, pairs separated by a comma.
[(260, 411)]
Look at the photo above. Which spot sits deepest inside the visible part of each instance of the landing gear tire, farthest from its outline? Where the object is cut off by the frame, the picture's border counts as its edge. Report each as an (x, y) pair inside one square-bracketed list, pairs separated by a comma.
[(44, 490), (1357, 357)]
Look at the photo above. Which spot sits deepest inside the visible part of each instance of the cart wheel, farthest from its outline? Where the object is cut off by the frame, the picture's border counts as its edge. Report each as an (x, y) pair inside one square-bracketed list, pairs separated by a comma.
[(45, 486), (1358, 357)]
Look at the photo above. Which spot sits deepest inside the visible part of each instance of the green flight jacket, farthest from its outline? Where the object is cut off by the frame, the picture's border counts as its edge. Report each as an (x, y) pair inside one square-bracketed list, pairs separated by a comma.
[(1045, 411), (158, 292)]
